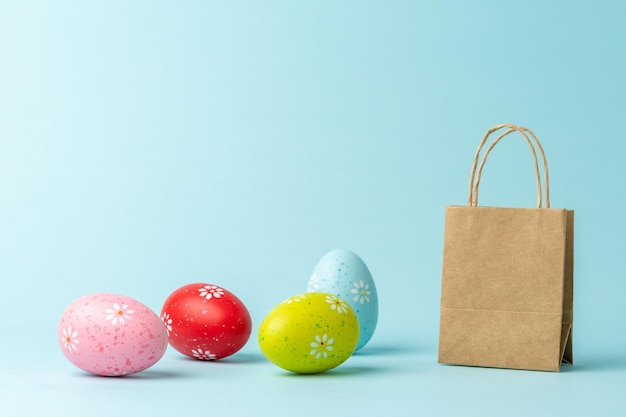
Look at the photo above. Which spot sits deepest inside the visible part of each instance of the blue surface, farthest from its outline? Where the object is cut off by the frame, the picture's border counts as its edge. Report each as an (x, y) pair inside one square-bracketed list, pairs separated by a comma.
[(147, 145)]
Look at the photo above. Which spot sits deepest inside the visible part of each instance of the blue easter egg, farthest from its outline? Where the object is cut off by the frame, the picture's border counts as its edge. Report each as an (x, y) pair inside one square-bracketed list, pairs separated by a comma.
[(344, 274)]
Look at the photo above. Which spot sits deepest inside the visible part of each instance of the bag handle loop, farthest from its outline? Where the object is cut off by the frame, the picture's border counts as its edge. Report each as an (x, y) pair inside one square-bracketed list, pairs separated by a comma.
[(472, 199)]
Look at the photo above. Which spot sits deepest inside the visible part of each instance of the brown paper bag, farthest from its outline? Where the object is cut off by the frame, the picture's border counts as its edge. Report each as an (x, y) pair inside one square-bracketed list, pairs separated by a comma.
[(507, 278)]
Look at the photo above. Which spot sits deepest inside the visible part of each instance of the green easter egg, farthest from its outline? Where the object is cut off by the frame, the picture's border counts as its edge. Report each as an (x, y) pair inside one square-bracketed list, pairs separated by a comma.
[(309, 333)]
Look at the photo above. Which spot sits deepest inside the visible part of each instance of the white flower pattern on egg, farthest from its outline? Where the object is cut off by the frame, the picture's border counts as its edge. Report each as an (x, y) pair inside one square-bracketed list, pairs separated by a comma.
[(210, 291), (204, 355), (118, 314), (321, 346), (361, 292), (296, 298), (167, 320), (314, 283), (69, 339), (337, 304)]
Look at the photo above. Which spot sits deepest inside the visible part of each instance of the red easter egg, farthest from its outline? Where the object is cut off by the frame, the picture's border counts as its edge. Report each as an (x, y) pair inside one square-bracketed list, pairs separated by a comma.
[(205, 321)]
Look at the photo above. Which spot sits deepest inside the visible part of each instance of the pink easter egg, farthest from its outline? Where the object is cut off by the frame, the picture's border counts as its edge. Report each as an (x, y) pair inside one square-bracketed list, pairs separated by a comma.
[(111, 335)]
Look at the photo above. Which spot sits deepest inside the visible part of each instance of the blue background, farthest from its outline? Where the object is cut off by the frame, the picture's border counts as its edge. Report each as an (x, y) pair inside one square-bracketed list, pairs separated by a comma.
[(147, 145)]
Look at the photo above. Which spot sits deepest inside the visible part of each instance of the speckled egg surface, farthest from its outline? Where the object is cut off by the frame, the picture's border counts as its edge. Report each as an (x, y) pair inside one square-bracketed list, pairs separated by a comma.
[(111, 335), (205, 321), (344, 274), (309, 333)]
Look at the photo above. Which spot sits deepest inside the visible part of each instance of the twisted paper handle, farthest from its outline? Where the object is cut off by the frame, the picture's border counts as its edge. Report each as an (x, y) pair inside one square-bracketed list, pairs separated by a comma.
[(472, 199)]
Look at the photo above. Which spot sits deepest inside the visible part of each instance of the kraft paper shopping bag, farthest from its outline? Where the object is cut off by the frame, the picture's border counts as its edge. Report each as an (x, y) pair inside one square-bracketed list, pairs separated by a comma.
[(507, 277)]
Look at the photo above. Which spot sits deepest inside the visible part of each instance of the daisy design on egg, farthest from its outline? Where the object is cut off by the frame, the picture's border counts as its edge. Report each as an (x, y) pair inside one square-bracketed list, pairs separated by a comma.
[(321, 346), (314, 283), (118, 314), (210, 291), (337, 304), (295, 298), (204, 355), (167, 320), (361, 292), (69, 339)]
